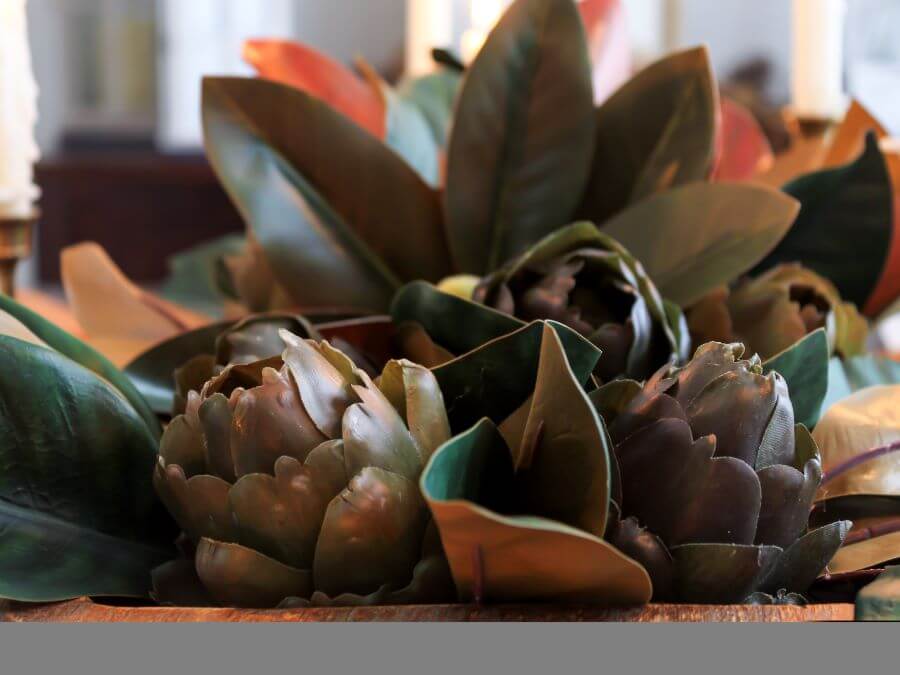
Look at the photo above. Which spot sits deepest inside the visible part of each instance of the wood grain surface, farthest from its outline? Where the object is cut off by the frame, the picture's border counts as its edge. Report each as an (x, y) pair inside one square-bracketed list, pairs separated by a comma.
[(85, 611)]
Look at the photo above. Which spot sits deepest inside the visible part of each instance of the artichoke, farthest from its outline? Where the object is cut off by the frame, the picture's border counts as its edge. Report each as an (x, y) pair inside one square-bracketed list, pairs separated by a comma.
[(586, 280), (715, 481), (771, 312), (296, 478)]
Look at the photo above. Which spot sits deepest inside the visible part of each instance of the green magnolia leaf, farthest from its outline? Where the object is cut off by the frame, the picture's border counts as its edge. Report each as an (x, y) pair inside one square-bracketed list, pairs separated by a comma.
[(441, 315), (410, 135), (435, 95), (152, 373), (521, 145), (657, 132), (695, 238), (494, 380), (847, 376), (562, 461), (78, 515), (805, 368), (193, 279), (503, 557), (845, 226), (80, 353), (341, 218)]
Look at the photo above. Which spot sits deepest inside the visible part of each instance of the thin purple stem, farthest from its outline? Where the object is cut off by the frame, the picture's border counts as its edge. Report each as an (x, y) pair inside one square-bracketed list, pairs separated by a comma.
[(889, 527), (854, 462)]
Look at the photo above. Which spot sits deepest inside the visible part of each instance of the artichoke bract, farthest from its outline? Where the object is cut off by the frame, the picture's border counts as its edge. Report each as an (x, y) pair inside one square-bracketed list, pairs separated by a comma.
[(296, 477), (586, 280), (712, 467), (771, 312)]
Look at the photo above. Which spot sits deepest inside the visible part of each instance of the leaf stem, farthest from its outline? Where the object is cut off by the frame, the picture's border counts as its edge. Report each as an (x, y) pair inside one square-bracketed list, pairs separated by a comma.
[(854, 462)]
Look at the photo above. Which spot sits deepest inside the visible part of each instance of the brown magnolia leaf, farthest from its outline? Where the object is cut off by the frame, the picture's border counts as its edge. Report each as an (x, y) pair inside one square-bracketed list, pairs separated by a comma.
[(316, 74), (866, 420), (743, 149), (118, 318)]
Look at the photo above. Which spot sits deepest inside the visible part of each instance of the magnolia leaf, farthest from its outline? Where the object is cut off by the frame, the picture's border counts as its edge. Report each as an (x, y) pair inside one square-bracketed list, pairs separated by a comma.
[(563, 465), (697, 237), (194, 275), (521, 144), (499, 557), (316, 74), (408, 132), (152, 373), (744, 151), (669, 142), (872, 550), (78, 514), (120, 319), (847, 376), (341, 218), (80, 353), (494, 380), (435, 96), (849, 209), (805, 368), (441, 315), (865, 421)]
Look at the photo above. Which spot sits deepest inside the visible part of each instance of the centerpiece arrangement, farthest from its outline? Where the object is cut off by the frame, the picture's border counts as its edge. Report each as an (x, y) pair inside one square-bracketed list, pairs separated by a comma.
[(485, 341)]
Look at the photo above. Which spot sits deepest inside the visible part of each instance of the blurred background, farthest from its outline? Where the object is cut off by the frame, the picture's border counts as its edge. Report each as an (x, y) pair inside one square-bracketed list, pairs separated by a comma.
[(119, 125)]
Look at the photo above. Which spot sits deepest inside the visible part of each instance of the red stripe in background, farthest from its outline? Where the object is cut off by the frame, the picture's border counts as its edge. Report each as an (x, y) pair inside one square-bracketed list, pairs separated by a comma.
[(888, 288)]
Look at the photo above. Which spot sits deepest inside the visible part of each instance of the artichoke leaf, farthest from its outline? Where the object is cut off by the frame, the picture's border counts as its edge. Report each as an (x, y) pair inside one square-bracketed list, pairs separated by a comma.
[(78, 515), (719, 230), (721, 573), (280, 516), (371, 535), (414, 392), (805, 560), (498, 557), (375, 436), (236, 576), (520, 149)]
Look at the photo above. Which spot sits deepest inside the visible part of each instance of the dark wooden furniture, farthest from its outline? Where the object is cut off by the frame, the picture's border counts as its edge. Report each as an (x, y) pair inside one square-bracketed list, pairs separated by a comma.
[(141, 206)]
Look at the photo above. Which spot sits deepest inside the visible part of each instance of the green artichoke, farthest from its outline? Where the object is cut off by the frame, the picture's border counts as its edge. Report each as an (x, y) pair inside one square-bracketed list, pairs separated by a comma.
[(296, 478), (711, 463), (253, 339), (586, 280), (771, 312)]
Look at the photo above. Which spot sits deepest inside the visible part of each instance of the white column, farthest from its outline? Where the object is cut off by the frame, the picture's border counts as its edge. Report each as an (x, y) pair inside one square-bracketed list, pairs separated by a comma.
[(429, 24), (818, 58)]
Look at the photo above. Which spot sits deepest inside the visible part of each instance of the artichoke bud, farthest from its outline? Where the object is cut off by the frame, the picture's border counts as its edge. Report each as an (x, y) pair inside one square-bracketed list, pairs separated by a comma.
[(771, 312), (587, 281), (712, 464), (302, 479), (252, 340)]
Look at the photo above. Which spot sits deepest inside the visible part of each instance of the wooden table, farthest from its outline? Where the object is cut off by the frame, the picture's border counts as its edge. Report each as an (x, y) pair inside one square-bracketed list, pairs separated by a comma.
[(85, 611)]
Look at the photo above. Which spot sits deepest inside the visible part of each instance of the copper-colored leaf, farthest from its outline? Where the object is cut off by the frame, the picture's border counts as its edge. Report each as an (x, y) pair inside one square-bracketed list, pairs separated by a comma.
[(743, 149), (311, 71)]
